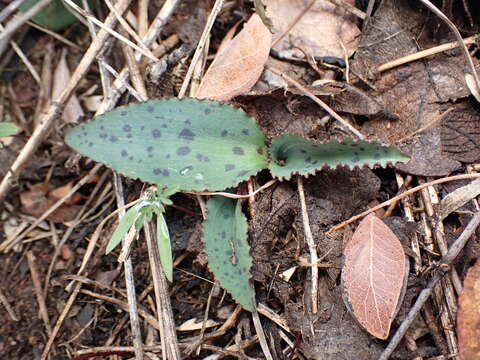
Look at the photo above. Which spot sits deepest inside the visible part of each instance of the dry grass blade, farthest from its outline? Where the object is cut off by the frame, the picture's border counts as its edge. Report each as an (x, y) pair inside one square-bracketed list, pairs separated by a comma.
[(239, 65), (374, 275)]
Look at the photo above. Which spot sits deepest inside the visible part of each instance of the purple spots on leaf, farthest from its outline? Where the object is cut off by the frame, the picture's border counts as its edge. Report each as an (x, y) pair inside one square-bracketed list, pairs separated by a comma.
[(242, 173), (207, 111), (224, 133), (150, 109), (103, 136), (156, 133), (355, 159), (150, 148), (157, 171), (229, 167), (129, 136), (127, 128), (113, 138), (245, 132), (187, 122), (184, 150), (167, 156), (123, 113), (237, 150), (124, 153), (186, 134)]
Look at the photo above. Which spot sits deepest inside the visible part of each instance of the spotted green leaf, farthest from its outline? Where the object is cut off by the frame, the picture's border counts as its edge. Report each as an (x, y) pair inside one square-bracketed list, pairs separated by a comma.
[(225, 237), (295, 155), (192, 144)]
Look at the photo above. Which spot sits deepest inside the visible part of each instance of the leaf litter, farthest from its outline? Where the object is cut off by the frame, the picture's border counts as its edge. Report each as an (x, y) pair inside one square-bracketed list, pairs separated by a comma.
[(400, 102)]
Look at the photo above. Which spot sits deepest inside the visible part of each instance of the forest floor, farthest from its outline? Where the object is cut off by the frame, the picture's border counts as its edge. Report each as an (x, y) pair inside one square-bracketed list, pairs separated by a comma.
[(333, 72)]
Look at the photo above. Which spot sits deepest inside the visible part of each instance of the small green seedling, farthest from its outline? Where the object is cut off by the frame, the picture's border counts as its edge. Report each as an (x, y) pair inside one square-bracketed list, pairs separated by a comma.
[(7, 129), (141, 213), (198, 145)]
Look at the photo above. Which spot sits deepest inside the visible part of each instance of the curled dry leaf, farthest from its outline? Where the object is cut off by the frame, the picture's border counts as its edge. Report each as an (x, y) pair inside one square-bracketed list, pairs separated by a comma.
[(374, 276), (468, 318), (239, 63), (325, 30)]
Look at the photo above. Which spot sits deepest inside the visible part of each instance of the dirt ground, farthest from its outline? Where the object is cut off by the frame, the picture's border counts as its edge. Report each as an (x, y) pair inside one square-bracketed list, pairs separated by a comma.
[(63, 298)]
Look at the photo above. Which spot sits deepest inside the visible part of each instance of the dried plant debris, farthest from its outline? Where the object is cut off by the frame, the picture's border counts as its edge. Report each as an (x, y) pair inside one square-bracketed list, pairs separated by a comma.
[(461, 134), (374, 276), (325, 30), (468, 317), (239, 63)]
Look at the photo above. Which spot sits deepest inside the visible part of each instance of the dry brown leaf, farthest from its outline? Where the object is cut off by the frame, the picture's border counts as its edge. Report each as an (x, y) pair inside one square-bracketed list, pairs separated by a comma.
[(374, 276), (239, 64), (40, 197), (320, 32), (468, 318), (73, 110)]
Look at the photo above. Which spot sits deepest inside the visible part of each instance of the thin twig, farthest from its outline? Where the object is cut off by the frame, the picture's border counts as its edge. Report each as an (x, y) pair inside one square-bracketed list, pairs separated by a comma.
[(129, 280), (201, 44), (401, 196), (452, 27), (261, 335), (311, 244), (61, 318), (162, 298), (428, 52), (445, 263), (312, 96), (8, 307), (38, 291)]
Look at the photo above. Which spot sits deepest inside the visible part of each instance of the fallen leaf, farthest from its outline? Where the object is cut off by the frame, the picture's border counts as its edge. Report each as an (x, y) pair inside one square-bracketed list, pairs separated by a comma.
[(468, 318), (374, 276), (40, 197), (239, 64), (194, 324), (73, 110), (324, 30)]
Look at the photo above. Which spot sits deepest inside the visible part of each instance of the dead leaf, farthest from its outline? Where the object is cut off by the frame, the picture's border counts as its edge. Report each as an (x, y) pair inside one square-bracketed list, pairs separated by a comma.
[(40, 197), (193, 324), (374, 276), (73, 110), (468, 318), (460, 133), (320, 32), (239, 65)]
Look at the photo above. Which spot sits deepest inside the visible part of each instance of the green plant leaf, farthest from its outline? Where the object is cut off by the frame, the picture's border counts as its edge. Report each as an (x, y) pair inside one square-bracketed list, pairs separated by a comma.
[(54, 16), (164, 246), (228, 252), (8, 129), (192, 144), (295, 155), (124, 225)]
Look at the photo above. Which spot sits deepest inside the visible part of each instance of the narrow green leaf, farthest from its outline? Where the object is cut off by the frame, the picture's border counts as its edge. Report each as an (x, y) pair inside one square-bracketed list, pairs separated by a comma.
[(164, 246), (296, 155), (192, 144), (228, 252), (123, 226)]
